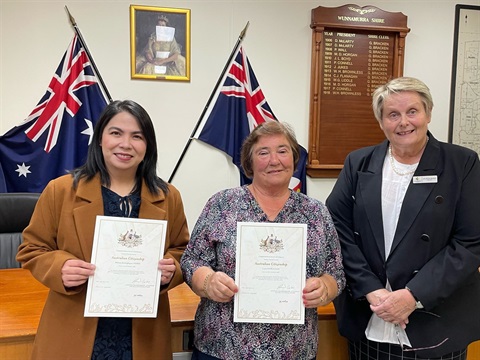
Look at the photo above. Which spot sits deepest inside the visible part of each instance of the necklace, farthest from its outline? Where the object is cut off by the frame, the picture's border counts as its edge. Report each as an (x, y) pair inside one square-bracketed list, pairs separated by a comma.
[(394, 168), (392, 161)]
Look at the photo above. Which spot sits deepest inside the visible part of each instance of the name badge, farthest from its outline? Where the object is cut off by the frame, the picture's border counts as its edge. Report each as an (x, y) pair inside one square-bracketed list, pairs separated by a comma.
[(428, 179)]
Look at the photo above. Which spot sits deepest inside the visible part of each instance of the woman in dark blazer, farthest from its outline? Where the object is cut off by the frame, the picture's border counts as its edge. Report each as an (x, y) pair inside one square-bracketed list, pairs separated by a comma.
[(408, 219)]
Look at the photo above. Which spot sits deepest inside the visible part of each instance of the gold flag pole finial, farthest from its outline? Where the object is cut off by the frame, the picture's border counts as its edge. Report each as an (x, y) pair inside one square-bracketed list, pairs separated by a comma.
[(244, 31), (72, 20)]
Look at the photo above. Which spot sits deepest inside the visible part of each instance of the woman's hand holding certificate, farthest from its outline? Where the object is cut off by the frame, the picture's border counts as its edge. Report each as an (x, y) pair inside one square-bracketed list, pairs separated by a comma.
[(127, 281), (270, 273)]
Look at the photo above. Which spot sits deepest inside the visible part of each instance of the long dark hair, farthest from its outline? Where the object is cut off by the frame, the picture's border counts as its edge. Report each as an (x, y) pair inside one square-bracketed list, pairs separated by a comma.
[(147, 169)]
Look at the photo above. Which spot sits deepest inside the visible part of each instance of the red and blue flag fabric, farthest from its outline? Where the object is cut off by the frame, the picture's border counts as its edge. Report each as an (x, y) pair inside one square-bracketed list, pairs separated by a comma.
[(55, 137), (238, 106)]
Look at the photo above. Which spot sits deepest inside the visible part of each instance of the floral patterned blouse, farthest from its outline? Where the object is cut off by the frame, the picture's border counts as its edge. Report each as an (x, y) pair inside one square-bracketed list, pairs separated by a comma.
[(213, 244)]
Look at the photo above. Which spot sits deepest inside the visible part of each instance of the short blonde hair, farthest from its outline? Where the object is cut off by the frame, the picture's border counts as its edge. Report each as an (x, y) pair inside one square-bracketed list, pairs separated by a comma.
[(396, 86)]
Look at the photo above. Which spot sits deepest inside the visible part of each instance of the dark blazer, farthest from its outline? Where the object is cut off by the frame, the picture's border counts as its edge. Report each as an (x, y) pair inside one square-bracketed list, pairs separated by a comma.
[(435, 250)]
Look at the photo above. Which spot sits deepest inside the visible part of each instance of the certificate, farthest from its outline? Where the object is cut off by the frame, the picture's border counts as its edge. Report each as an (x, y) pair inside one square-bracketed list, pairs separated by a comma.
[(270, 273), (126, 282)]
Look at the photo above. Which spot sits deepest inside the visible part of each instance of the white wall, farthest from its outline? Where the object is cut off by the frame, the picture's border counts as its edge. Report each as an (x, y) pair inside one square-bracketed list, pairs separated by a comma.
[(34, 35)]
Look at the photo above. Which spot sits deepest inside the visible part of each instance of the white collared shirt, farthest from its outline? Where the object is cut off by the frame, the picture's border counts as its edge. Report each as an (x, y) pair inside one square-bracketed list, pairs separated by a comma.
[(394, 187)]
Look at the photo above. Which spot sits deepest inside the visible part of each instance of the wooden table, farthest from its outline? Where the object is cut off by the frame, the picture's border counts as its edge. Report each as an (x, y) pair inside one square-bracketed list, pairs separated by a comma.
[(183, 304), (21, 303), (22, 299)]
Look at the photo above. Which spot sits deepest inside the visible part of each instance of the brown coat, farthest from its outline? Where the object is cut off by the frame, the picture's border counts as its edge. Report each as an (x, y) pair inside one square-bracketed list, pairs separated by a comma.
[(62, 228)]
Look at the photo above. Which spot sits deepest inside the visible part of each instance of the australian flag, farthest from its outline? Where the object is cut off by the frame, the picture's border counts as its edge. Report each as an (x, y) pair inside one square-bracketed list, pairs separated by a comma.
[(238, 107), (55, 137)]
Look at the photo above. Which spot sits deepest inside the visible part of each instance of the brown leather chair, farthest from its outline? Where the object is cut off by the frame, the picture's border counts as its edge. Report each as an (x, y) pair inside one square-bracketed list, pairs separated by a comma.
[(15, 212)]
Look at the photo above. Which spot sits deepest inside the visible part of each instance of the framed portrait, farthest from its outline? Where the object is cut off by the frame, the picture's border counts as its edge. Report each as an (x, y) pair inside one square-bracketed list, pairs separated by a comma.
[(464, 127), (159, 43)]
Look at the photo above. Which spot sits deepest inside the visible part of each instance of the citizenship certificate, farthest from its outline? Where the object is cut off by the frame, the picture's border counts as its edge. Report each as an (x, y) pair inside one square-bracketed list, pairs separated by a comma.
[(270, 273), (126, 282)]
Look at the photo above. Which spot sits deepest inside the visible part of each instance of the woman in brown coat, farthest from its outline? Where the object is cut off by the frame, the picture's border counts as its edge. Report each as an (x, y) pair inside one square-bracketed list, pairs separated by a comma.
[(118, 179)]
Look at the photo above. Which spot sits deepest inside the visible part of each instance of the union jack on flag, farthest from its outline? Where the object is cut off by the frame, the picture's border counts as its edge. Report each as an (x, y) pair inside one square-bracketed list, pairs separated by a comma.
[(54, 138), (238, 107)]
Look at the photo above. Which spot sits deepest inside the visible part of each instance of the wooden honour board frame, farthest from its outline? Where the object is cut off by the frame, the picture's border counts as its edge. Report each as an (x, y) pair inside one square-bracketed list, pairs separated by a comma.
[(354, 50)]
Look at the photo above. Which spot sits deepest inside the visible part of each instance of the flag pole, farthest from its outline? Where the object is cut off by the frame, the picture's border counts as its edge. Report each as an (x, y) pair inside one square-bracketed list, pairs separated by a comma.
[(84, 45), (232, 54)]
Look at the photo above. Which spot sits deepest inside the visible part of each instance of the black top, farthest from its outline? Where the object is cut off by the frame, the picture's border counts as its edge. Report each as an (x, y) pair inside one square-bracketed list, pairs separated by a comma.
[(113, 340)]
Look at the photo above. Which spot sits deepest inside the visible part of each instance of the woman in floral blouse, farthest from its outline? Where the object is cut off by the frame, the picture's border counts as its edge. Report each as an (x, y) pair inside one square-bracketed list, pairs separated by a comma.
[(269, 156)]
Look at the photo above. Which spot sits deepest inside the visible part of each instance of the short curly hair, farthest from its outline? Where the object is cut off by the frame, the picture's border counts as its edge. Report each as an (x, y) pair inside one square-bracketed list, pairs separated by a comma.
[(267, 128)]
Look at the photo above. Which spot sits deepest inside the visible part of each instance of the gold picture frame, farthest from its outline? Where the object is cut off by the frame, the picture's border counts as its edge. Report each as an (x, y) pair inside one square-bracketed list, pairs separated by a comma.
[(159, 43)]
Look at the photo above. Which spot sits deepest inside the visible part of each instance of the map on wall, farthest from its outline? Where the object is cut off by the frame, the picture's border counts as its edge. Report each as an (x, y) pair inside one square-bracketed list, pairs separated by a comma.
[(465, 92)]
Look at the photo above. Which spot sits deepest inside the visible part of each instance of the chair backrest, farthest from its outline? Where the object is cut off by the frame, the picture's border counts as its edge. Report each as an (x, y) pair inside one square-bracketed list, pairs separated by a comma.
[(15, 212)]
